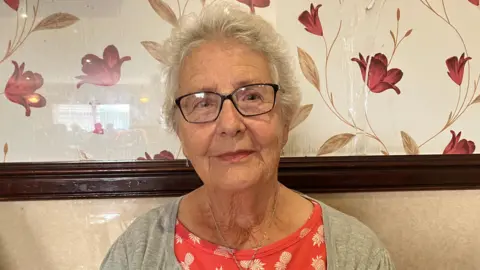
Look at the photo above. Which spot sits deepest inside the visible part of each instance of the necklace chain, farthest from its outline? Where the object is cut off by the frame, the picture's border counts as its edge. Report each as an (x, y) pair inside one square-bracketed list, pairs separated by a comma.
[(258, 244)]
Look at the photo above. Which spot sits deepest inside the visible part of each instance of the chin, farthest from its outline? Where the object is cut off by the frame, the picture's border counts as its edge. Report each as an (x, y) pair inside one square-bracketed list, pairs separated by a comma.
[(238, 179)]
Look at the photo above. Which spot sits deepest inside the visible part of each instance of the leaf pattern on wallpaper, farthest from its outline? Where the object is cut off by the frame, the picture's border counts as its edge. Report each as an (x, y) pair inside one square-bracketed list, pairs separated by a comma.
[(379, 78), (335, 143), (22, 86), (84, 156), (476, 100), (5, 152), (164, 11), (308, 67), (56, 21), (455, 66), (300, 116), (155, 49), (104, 71), (252, 4), (22, 32), (409, 144)]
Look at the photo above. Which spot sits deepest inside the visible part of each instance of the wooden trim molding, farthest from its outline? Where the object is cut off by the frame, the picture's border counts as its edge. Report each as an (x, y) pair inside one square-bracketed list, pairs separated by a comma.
[(75, 180)]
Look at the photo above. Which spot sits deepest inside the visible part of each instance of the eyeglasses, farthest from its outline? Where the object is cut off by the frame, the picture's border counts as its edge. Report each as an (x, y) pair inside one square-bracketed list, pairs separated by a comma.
[(248, 100)]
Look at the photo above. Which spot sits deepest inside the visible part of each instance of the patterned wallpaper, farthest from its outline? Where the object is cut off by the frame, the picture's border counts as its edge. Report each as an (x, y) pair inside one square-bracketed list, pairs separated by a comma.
[(81, 79)]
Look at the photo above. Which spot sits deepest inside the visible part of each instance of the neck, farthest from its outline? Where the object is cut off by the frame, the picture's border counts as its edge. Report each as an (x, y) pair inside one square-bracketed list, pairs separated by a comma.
[(242, 216)]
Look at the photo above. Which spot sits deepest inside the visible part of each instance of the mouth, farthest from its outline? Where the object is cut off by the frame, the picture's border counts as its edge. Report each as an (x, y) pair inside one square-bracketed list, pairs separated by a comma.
[(236, 156)]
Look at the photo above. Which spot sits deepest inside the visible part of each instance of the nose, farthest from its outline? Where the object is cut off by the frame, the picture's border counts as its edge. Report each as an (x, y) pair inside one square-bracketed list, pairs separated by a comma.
[(230, 121)]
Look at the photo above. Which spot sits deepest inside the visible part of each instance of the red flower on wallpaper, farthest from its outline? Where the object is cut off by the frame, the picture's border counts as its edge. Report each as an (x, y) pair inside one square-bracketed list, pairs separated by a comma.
[(13, 4), (102, 72), (21, 88), (255, 3), (380, 78), (475, 2), (456, 68), (311, 21), (163, 155), (98, 129), (457, 146)]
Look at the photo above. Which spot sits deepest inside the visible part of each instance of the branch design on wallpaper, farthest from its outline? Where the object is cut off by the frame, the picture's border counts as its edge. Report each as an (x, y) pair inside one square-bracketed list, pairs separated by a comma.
[(375, 71), (467, 94), (166, 13), (22, 85), (54, 21)]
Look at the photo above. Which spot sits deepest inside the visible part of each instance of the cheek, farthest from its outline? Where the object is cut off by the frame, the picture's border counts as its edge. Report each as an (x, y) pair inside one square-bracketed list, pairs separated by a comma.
[(268, 136), (195, 141)]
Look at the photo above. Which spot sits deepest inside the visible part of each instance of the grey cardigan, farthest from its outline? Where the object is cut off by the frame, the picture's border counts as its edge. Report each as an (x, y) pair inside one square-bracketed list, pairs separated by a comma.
[(148, 244)]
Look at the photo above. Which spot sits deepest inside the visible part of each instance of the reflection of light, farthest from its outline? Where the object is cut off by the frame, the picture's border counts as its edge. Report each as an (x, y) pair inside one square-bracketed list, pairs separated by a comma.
[(102, 218), (24, 15), (144, 99), (33, 99)]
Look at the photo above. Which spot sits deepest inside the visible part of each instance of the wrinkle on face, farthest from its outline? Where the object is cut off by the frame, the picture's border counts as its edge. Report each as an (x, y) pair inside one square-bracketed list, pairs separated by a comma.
[(222, 67)]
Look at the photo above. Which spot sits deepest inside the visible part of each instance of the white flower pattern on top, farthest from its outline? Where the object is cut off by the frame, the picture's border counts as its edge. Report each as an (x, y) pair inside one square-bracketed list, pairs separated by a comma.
[(302, 253), (304, 232), (222, 251), (187, 262), (285, 258), (195, 239), (257, 264), (318, 238), (178, 239), (318, 263)]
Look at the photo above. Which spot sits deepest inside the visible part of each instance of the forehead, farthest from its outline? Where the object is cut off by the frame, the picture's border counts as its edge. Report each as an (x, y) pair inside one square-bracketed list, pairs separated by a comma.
[(222, 65)]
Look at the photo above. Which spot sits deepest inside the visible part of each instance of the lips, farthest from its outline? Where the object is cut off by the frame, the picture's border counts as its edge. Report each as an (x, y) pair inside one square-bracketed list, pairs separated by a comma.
[(236, 156)]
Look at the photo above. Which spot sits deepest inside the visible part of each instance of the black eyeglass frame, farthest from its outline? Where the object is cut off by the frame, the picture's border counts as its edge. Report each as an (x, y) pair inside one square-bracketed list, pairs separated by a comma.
[(275, 87)]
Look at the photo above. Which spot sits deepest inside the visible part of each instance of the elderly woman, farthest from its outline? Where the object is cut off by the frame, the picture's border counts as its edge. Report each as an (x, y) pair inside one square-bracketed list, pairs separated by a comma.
[(230, 98)]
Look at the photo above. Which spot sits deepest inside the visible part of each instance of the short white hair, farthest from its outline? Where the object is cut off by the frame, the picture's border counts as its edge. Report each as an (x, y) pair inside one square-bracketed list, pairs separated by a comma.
[(224, 20)]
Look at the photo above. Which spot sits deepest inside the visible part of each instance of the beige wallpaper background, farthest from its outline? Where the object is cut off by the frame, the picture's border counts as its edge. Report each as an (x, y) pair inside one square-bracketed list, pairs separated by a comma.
[(419, 91)]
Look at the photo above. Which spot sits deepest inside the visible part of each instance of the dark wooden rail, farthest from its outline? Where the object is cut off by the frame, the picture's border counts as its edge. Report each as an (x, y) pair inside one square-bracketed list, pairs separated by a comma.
[(64, 180)]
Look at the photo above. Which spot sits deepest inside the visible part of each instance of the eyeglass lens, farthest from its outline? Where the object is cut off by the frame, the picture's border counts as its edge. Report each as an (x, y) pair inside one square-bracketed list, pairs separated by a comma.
[(249, 101)]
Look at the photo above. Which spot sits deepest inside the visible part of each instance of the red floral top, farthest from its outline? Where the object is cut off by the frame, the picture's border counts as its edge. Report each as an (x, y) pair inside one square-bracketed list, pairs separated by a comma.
[(304, 249)]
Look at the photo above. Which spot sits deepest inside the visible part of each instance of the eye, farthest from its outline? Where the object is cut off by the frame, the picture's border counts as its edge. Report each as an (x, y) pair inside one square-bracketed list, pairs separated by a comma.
[(253, 96), (203, 104)]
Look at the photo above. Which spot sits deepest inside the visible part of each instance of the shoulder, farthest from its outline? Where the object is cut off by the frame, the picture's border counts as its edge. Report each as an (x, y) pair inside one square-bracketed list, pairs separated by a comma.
[(145, 238), (352, 244)]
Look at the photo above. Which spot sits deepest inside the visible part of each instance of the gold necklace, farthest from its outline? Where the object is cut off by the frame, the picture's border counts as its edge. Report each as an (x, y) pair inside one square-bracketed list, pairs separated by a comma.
[(258, 245)]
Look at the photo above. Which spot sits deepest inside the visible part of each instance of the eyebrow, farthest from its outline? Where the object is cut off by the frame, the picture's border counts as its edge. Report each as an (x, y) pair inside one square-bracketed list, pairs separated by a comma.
[(245, 82), (235, 85)]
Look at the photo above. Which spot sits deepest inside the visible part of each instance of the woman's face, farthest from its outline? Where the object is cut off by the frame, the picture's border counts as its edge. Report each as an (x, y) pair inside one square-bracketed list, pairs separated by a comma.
[(233, 152)]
